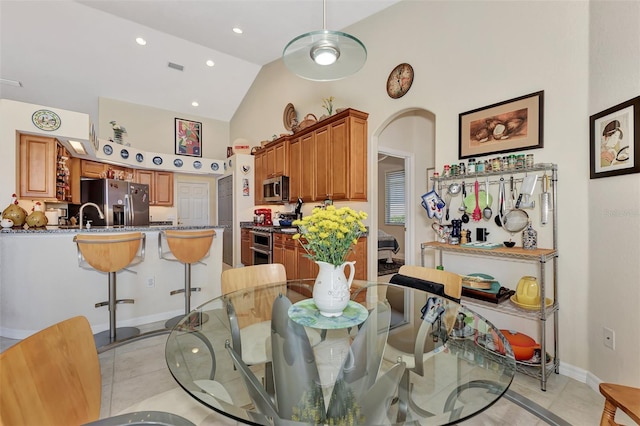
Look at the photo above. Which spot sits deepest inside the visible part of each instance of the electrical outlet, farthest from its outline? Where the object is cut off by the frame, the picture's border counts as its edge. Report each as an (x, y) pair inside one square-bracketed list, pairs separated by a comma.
[(609, 337), (151, 282)]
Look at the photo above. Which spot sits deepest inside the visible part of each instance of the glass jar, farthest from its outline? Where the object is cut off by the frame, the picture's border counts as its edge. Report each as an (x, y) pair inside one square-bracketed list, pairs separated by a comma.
[(496, 164), (462, 169), (512, 162), (480, 166), (529, 161), (447, 171), (520, 161), (454, 170), (505, 162), (471, 168)]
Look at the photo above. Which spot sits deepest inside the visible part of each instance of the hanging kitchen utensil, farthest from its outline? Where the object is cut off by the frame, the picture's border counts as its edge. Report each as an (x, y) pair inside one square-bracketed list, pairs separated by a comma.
[(465, 217), (486, 212), (545, 200), (526, 190), (477, 213), (514, 220), (501, 201)]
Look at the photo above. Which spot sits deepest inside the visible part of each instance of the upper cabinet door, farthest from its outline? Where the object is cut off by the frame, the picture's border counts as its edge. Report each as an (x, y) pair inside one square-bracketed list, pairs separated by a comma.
[(37, 167), (324, 172)]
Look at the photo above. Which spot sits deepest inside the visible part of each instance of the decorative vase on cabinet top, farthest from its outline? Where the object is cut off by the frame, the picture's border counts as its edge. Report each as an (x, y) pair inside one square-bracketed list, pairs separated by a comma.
[(331, 290)]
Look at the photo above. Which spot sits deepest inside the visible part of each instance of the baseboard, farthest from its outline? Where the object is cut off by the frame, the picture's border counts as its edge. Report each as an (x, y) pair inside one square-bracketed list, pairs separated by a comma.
[(580, 375)]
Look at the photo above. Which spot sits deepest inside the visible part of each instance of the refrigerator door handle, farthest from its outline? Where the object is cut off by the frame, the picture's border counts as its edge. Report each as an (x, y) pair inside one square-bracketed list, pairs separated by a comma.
[(129, 209)]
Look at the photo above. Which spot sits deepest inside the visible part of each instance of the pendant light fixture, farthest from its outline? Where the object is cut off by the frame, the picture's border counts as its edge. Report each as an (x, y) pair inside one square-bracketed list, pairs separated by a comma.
[(324, 55)]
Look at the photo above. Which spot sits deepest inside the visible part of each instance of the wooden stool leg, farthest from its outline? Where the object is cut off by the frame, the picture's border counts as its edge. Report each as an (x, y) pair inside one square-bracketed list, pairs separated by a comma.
[(608, 414)]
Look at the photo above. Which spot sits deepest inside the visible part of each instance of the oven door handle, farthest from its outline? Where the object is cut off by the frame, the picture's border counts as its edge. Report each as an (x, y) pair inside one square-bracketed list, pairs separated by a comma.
[(261, 234), (257, 250)]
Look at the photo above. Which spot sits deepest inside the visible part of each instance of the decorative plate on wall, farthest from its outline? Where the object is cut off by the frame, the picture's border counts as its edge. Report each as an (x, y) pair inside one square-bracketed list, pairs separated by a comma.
[(214, 166), (139, 158), (197, 164), (177, 162), (157, 160), (107, 149), (46, 120), (124, 154)]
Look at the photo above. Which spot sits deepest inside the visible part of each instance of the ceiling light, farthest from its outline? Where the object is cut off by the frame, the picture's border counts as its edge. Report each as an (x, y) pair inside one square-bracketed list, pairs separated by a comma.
[(237, 30), (78, 147), (194, 103), (324, 55), (141, 41), (210, 63)]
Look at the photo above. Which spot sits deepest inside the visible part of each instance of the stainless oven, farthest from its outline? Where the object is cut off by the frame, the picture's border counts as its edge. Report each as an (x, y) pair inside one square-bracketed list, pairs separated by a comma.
[(261, 246)]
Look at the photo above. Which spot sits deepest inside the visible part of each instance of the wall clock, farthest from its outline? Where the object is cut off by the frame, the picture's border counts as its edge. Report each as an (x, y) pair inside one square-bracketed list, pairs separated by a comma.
[(46, 120), (400, 81)]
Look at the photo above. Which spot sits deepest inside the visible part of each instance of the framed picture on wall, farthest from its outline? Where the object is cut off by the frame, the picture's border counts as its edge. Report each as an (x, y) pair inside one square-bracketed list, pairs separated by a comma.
[(188, 135), (513, 125), (614, 137)]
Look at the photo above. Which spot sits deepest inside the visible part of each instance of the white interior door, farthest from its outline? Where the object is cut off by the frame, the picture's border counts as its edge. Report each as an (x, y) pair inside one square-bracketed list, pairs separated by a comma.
[(193, 203)]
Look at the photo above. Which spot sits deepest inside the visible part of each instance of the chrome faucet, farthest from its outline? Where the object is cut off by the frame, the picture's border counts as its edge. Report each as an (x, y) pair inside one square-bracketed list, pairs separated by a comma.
[(93, 205)]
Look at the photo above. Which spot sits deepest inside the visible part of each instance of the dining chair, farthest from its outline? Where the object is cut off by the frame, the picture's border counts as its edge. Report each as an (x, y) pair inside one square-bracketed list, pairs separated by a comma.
[(53, 378), (446, 284), (250, 313), (616, 396)]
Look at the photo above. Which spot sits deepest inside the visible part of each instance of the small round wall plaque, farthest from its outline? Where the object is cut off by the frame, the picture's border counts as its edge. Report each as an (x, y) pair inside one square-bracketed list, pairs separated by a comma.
[(46, 120)]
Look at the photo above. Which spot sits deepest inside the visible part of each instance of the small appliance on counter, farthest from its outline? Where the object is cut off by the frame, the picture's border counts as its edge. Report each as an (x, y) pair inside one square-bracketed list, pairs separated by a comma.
[(262, 217)]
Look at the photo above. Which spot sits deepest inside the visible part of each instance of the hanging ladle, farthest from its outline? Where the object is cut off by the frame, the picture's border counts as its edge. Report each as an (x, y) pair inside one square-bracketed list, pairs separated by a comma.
[(501, 201), (486, 212)]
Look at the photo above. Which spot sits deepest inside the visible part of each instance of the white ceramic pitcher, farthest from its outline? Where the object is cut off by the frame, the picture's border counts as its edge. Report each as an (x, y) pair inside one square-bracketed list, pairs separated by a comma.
[(331, 291)]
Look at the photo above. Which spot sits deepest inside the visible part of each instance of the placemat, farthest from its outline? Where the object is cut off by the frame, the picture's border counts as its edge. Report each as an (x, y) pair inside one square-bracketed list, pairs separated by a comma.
[(306, 313)]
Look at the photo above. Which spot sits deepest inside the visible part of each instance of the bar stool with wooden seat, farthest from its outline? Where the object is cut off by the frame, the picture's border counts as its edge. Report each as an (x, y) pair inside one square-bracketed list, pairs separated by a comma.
[(187, 247), (111, 253), (626, 398)]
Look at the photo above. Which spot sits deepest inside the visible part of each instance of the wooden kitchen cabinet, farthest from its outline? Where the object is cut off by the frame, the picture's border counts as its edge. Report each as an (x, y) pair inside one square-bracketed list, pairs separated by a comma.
[(290, 253), (260, 159), (277, 159), (307, 167), (43, 172), (160, 186), (324, 170), (245, 247), (295, 167), (92, 169)]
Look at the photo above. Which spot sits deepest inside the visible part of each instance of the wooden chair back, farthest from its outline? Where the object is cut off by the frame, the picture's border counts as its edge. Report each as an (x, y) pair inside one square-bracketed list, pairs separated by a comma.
[(109, 252), (189, 246), (258, 304), (452, 282), (625, 398), (52, 377)]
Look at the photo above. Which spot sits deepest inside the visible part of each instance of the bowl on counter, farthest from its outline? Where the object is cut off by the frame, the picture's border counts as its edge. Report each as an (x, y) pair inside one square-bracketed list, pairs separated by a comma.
[(284, 222)]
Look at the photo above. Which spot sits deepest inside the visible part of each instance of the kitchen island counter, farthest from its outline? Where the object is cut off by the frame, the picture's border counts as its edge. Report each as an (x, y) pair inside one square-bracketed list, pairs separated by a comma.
[(41, 282)]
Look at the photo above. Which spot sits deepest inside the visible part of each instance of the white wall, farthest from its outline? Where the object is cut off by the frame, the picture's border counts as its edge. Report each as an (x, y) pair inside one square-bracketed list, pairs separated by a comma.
[(467, 55), (152, 129), (613, 287)]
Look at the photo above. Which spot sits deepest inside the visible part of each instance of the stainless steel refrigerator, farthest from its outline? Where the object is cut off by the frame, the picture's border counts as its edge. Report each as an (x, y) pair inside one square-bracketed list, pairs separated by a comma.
[(123, 203)]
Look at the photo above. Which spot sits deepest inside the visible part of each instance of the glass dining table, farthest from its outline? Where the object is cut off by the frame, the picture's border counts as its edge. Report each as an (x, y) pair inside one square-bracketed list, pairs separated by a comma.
[(441, 365)]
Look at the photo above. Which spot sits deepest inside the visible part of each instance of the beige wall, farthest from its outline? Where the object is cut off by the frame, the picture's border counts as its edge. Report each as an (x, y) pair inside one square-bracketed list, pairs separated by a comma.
[(467, 55), (613, 287)]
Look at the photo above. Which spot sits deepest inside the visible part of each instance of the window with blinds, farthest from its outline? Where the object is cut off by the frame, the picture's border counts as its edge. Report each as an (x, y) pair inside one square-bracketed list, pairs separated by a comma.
[(394, 204)]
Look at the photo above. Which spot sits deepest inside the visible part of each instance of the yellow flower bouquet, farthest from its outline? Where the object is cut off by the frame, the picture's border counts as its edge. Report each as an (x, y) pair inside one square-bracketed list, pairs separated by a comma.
[(330, 233)]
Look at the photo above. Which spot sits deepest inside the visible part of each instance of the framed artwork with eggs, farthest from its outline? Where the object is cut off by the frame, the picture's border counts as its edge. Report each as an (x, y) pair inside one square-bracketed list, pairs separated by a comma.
[(512, 125), (615, 140)]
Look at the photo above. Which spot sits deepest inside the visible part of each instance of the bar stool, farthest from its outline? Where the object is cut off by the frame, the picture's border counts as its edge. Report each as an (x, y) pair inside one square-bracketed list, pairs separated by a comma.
[(187, 247), (111, 253)]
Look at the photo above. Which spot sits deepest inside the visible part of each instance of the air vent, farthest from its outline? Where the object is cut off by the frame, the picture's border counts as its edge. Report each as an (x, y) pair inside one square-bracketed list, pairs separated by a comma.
[(176, 66)]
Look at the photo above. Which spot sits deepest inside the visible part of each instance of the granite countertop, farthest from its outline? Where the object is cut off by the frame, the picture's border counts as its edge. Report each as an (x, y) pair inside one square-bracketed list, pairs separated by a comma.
[(75, 229)]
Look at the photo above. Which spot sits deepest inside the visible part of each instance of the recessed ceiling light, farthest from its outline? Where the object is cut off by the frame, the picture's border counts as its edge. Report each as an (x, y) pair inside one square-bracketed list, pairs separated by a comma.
[(194, 103), (78, 147), (210, 63), (141, 41), (237, 30)]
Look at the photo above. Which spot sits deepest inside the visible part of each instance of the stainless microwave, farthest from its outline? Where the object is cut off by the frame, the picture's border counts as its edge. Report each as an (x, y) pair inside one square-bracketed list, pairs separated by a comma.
[(276, 190)]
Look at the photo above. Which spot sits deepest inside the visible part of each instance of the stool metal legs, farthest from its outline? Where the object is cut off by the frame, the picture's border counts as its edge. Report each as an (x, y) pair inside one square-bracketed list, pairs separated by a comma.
[(114, 334), (187, 300)]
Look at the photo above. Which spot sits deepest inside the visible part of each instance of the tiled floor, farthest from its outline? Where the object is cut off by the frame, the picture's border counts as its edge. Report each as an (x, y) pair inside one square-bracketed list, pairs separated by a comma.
[(135, 377)]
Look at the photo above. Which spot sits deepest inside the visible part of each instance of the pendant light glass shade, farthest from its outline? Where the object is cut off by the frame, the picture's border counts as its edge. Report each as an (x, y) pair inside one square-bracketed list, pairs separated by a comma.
[(324, 55)]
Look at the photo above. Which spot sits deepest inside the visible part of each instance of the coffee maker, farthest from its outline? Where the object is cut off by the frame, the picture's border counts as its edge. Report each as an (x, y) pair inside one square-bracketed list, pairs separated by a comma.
[(262, 217)]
